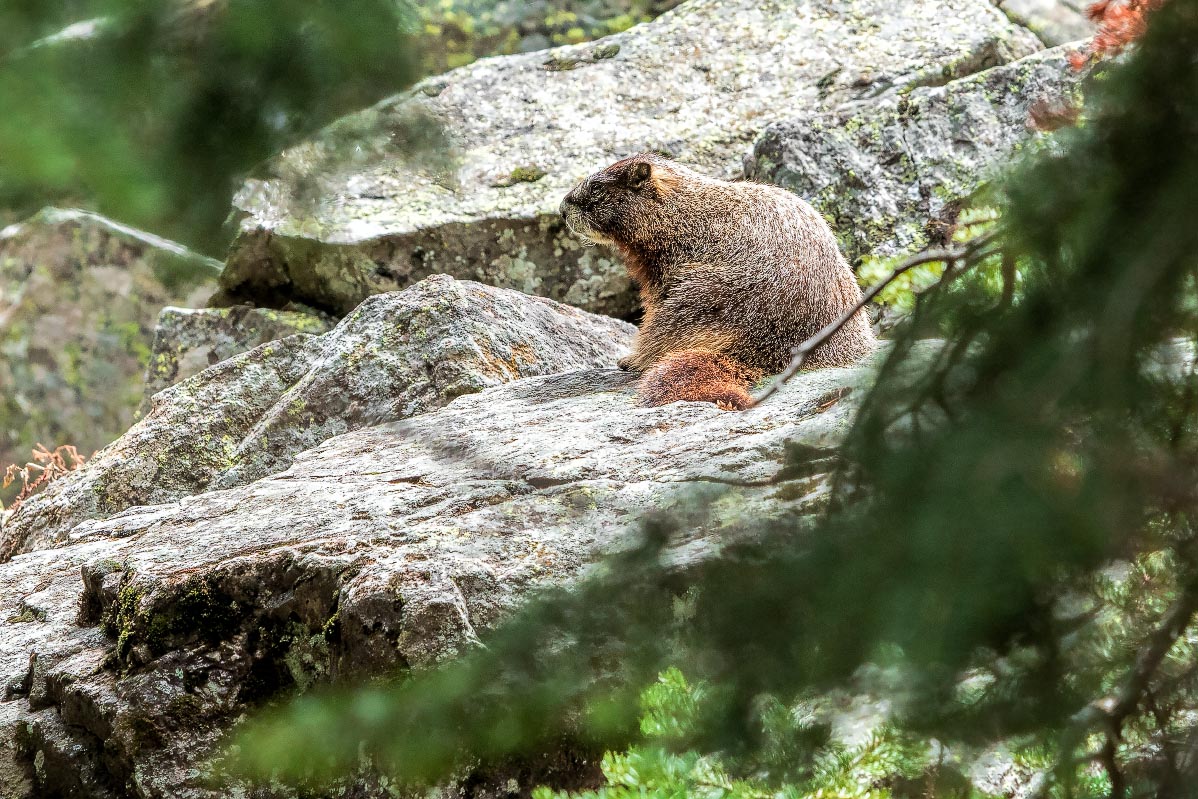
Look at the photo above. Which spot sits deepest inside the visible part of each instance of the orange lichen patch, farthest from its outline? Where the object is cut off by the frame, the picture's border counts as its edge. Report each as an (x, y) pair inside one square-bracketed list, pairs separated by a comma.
[(523, 356), (696, 376), (510, 365)]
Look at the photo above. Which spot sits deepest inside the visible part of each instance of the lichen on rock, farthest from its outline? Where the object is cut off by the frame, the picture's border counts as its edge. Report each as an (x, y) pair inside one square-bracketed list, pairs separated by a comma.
[(886, 173), (1055, 22), (189, 340), (300, 504)]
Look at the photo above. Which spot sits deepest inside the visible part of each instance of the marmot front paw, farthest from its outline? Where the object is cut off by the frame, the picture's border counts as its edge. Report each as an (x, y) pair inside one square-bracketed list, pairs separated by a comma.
[(625, 363)]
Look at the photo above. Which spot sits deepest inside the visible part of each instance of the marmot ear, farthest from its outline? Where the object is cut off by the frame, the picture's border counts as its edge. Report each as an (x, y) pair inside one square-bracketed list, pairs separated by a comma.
[(640, 173)]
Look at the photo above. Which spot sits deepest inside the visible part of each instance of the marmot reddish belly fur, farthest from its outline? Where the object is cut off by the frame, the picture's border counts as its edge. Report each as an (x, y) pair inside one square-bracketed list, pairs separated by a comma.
[(732, 276)]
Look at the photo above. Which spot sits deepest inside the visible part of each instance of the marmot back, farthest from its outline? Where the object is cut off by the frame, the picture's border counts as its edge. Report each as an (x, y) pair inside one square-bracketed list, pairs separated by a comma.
[(732, 276)]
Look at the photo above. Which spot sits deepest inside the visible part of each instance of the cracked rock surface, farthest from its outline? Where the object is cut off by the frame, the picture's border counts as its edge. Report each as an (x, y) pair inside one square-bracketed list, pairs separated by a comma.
[(131, 647), (345, 216), (395, 356), (890, 174)]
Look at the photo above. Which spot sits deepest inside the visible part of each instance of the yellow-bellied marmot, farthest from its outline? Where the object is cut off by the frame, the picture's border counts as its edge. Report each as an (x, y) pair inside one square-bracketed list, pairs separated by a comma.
[(732, 277)]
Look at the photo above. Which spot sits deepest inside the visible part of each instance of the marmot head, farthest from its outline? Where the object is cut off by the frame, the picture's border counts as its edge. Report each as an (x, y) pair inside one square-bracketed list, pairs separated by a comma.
[(619, 204)]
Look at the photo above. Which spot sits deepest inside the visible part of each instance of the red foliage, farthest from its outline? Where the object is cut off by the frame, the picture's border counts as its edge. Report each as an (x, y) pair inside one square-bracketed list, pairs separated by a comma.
[(1120, 22), (46, 467)]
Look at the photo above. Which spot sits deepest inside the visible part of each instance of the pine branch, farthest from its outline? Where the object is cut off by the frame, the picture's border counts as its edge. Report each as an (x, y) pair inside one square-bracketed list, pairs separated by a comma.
[(1112, 712)]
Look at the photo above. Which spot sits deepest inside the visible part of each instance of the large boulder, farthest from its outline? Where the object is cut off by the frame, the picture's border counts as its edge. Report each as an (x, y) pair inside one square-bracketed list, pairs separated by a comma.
[(131, 648), (395, 356), (346, 215), (79, 296), (890, 174)]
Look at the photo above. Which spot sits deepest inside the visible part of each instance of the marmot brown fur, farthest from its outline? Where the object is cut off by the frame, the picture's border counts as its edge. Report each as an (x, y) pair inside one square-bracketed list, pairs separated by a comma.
[(732, 276)]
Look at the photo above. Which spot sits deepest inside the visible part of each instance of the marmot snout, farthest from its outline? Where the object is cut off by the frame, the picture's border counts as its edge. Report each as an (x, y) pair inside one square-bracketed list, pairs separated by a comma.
[(732, 276)]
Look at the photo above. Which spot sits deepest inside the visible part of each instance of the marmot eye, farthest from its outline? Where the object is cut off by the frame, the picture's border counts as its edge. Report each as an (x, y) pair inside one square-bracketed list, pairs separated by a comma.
[(579, 195)]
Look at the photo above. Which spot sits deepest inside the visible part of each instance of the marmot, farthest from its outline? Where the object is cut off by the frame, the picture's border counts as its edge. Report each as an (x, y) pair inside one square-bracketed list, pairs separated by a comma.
[(732, 276)]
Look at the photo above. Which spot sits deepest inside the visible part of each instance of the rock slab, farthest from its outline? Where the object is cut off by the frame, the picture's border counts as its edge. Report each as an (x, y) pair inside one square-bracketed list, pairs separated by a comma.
[(131, 648), (189, 340), (1053, 21)]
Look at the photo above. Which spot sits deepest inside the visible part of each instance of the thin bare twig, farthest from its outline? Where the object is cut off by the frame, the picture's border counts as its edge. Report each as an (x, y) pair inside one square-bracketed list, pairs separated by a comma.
[(1008, 280), (949, 255), (1110, 762)]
